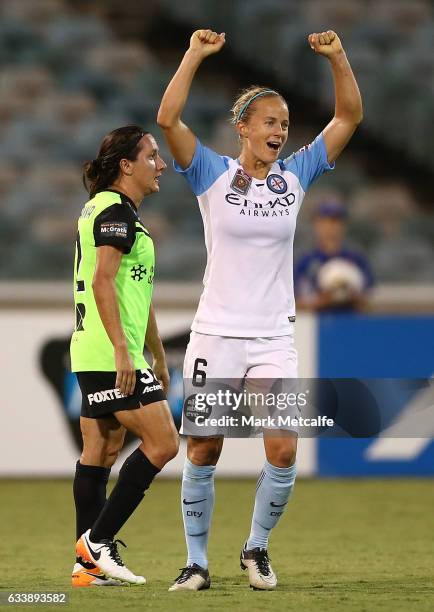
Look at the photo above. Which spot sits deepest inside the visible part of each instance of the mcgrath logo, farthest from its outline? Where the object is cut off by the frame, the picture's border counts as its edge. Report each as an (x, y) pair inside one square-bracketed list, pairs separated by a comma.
[(116, 229), (276, 183), (138, 272)]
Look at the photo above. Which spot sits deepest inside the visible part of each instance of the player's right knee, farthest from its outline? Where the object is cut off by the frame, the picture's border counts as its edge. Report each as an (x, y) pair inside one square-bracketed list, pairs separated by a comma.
[(101, 455), (163, 453), (204, 451)]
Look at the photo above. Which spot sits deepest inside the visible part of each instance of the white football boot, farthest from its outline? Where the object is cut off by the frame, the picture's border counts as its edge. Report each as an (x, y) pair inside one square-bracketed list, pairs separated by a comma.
[(105, 555), (261, 575), (192, 578)]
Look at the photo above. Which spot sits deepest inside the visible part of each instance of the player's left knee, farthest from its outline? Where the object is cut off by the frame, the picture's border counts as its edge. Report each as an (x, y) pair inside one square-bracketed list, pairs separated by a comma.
[(284, 456), (286, 459), (111, 455)]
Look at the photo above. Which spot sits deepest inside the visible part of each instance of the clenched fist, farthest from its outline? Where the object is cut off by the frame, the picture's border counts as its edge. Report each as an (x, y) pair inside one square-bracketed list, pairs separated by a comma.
[(207, 42), (325, 43)]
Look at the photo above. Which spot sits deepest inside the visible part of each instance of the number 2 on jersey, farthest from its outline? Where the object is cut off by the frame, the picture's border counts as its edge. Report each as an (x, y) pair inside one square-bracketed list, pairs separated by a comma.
[(80, 308)]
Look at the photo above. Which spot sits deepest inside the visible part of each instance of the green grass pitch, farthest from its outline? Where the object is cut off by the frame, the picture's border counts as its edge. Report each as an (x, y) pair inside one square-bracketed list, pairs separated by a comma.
[(342, 545)]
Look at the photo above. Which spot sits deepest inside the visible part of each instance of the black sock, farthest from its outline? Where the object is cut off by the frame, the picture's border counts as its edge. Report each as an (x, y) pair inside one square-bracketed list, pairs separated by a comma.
[(135, 476), (90, 485)]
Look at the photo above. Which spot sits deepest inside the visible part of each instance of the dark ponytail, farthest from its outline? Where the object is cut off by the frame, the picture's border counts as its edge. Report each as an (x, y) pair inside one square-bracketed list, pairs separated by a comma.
[(122, 143)]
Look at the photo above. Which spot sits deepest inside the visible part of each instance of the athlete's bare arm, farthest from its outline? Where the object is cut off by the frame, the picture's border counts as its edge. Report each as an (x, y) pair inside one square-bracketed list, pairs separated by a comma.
[(348, 102), (155, 345), (179, 137), (108, 260)]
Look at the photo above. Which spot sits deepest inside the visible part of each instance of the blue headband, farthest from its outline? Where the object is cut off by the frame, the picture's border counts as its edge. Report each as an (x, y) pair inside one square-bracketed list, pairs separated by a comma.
[(261, 93)]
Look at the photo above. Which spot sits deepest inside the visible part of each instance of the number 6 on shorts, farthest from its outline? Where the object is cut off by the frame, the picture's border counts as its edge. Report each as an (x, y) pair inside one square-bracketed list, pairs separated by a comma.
[(199, 376)]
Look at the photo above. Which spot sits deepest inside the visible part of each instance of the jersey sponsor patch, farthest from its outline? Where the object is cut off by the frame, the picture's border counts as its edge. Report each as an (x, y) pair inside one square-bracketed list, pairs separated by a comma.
[(241, 182), (115, 229), (104, 395)]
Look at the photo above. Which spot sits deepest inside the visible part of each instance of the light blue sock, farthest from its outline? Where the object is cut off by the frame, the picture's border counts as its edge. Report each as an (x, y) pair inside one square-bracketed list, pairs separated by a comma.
[(272, 493), (197, 501)]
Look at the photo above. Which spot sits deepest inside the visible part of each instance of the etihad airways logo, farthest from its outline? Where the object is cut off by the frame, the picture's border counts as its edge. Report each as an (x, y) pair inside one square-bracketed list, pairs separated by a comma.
[(278, 207)]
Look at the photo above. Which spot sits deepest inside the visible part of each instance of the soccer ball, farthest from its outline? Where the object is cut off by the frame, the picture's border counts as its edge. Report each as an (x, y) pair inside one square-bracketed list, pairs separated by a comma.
[(341, 278)]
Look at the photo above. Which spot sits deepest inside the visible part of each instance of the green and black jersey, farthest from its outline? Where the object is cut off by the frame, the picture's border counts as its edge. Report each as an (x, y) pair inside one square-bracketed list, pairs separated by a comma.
[(110, 218)]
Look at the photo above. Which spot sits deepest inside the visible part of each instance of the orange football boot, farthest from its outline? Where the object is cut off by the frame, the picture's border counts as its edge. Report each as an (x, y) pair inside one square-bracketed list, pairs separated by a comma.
[(87, 574)]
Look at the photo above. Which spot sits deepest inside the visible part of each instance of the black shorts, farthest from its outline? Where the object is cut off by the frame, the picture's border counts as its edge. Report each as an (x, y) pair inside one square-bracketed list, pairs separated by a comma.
[(100, 397)]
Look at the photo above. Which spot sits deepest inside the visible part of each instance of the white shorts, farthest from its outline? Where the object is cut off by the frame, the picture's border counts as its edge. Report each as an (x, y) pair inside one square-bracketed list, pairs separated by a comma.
[(238, 362), (238, 358)]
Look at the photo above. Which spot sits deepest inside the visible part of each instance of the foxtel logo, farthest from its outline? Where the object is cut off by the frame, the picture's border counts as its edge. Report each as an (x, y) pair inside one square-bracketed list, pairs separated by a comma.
[(104, 396)]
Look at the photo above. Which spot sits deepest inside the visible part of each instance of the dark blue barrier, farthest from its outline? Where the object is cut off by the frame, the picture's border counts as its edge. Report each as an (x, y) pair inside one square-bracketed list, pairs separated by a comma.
[(363, 346)]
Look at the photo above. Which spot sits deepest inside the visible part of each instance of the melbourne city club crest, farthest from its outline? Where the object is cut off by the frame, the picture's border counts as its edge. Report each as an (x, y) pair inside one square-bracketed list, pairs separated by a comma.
[(276, 183)]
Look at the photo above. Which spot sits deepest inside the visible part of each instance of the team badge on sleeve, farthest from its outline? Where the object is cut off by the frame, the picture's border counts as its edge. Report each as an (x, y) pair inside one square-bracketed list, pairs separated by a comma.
[(241, 182), (276, 183), (114, 229)]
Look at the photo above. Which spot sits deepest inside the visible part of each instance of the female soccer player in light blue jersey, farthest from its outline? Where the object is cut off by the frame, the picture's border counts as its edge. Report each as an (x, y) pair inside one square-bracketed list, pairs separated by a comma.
[(243, 328)]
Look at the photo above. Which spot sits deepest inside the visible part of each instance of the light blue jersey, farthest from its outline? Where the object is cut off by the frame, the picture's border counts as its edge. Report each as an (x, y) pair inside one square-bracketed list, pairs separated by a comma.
[(249, 227)]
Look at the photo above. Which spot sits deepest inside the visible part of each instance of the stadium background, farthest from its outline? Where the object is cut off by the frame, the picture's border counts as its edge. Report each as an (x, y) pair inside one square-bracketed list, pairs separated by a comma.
[(71, 70)]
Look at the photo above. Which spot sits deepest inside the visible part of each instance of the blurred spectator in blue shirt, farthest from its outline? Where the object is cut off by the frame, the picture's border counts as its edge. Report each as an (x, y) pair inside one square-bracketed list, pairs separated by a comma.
[(331, 277)]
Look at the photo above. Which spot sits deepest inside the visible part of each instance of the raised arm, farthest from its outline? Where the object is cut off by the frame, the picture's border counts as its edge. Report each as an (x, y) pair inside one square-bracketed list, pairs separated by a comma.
[(179, 137), (348, 102)]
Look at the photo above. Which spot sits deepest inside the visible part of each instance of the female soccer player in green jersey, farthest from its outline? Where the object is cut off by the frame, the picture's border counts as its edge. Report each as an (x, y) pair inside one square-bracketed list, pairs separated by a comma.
[(113, 281)]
